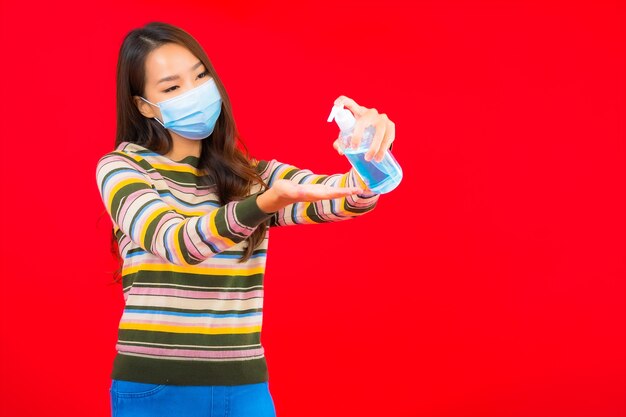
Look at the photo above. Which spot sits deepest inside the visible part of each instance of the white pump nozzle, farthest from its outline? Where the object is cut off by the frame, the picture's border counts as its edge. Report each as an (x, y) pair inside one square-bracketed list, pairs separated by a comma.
[(343, 117)]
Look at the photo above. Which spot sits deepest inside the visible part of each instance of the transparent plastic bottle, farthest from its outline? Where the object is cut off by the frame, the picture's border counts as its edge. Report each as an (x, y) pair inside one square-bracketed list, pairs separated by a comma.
[(380, 177)]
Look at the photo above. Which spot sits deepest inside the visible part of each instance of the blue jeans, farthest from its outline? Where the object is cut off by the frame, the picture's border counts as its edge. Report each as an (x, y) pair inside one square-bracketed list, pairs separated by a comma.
[(138, 399)]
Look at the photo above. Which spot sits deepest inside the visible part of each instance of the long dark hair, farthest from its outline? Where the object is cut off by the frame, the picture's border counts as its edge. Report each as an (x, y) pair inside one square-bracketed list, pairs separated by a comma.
[(229, 165)]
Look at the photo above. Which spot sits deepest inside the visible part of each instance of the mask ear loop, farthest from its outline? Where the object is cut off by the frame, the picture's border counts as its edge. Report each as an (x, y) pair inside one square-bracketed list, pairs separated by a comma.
[(155, 118)]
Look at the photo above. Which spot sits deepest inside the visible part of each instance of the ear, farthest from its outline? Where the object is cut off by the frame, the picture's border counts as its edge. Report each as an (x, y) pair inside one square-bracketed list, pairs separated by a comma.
[(144, 108)]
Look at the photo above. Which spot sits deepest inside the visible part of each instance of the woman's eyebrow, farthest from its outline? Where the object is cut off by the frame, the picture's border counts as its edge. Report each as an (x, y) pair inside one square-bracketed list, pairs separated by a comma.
[(175, 77)]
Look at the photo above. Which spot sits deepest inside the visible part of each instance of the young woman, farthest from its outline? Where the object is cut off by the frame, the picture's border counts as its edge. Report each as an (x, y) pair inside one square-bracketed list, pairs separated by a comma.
[(191, 214)]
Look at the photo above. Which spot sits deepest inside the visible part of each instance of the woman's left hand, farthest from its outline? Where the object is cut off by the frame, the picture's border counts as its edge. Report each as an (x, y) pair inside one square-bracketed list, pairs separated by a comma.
[(385, 129)]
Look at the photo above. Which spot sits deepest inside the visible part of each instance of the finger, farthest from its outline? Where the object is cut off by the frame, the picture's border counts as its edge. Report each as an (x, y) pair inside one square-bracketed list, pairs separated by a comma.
[(390, 136), (330, 191), (370, 117), (378, 137), (352, 105), (337, 146), (316, 192), (336, 193)]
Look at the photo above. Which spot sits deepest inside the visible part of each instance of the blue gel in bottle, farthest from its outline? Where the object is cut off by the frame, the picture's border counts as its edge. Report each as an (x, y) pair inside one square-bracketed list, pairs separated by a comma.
[(380, 177)]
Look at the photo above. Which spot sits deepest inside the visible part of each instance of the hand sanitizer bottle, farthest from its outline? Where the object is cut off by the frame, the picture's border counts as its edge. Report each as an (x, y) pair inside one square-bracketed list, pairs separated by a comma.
[(380, 177)]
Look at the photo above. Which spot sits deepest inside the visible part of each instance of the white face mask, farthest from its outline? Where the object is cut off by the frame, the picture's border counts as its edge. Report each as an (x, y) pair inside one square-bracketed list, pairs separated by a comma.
[(192, 114)]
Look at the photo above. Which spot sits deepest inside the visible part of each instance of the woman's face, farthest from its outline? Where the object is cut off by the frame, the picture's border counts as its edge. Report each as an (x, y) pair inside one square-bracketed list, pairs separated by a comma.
[(171, 69)]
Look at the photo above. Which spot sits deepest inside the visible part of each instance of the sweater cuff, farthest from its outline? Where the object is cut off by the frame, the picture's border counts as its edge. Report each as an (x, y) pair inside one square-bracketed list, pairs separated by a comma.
[(248, 211)]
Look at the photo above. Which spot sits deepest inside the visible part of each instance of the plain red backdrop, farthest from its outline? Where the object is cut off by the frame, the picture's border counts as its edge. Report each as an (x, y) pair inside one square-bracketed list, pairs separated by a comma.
[(491, 283)]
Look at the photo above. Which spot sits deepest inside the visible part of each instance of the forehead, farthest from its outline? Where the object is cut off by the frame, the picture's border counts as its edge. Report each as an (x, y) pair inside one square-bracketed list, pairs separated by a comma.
[(168, 59)]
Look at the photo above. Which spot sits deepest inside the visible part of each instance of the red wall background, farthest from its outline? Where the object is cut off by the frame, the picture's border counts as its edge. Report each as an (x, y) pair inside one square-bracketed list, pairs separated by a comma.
[(491, 283)]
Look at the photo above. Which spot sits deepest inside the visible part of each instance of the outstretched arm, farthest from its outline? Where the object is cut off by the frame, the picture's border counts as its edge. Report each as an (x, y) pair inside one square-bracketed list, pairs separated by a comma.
[(142, 215), (322, 211)]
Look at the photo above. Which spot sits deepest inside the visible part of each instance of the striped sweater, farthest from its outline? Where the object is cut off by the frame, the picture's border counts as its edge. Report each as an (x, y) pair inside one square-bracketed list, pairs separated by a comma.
[(192, 313)]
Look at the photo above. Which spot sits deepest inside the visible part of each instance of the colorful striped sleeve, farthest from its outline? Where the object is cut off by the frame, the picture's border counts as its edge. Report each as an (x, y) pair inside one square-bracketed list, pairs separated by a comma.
[(140, 213), (323, 211)]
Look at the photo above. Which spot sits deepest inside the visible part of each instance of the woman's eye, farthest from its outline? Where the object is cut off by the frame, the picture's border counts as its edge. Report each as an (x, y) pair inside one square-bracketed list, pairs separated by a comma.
[(201, 75)]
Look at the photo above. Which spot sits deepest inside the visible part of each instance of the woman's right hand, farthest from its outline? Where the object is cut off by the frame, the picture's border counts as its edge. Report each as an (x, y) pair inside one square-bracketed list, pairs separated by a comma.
[(284, 192)]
